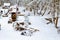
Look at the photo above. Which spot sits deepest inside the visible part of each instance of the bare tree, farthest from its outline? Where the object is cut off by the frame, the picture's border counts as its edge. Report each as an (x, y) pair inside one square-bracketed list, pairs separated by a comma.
[(54, 7)]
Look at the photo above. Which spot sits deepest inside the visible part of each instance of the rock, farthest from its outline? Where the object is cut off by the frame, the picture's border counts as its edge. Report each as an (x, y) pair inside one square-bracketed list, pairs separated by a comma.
[(27, 33)]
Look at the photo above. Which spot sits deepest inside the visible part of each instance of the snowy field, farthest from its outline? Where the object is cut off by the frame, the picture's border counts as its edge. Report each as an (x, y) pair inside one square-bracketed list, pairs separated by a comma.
[(47, 32)]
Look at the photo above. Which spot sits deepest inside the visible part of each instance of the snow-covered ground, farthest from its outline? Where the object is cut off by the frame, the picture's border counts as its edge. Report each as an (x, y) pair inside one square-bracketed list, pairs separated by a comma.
[(47, 32)]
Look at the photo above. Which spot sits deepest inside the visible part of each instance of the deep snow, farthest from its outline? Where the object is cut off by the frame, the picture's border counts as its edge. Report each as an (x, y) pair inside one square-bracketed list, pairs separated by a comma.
[(47, 32)]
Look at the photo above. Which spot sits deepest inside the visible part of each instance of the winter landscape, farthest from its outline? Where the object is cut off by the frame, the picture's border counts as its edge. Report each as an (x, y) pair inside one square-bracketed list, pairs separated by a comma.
[(29, 21)]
